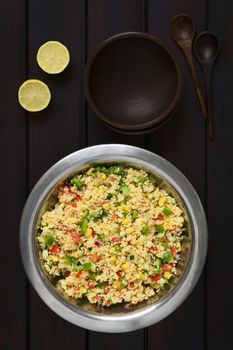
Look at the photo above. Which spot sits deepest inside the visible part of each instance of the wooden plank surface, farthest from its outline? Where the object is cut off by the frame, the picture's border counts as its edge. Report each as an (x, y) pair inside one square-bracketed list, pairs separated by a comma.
[(181, 141), (54, 133), (107, 18), (219, 186), (31, 143), (13, 125)]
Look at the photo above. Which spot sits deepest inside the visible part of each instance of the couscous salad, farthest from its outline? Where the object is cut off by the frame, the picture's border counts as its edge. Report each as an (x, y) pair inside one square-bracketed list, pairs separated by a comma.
[(113, 236)]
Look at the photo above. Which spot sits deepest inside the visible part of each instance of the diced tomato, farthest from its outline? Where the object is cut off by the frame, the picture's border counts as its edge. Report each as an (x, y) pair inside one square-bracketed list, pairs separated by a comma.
[(132, 284), (78, 274), (55, 250), (173, 250), (116, 239), (106, 290), (108, 303), (73, 204), (156, 278), (119, 273), (91, 284), (93, 233), (174, 229), (172, 264), (129, 242), (114, 217), (75, 236), (154, 249), (166, 268), (97, 243), (78, 197), (97, 298), (94, 257), (160, 217)]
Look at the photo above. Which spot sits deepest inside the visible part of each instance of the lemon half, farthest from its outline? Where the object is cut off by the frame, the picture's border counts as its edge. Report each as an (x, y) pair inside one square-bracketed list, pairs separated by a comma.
[(34, 95), (53, 57)]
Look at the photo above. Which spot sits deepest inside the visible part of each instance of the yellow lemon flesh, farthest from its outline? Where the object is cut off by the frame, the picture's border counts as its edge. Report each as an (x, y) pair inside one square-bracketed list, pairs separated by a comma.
[(34, 95), (53, 57)]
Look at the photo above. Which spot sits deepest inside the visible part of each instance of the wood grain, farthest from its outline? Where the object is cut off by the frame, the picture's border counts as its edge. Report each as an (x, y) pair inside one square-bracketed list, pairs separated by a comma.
[(54, 133), (13, 125), (181, 141), (219, 305), (106, 18)]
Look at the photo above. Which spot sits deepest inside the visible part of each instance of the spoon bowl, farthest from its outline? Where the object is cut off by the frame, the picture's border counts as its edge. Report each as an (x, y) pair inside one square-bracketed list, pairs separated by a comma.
[(182, 31), (182, 28), (207, 47)]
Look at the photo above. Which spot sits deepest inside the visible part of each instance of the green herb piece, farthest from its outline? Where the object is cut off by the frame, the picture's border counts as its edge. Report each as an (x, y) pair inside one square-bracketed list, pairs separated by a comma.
[(117, 204), (87, 266), (101, 285), (158, 263), (100, 236), (151, 179), (124, 189), (159, 228), (131, 257), (70, 260), (49, 240), (124, 283), (77, 268), (92, 276), (145, 230), (134, 215), (109, 196), (103, 213), (167, 257), (167, 211), (117, 247), (84, 225), (139, 180), (116, 170), (85, 213), (77, 183)]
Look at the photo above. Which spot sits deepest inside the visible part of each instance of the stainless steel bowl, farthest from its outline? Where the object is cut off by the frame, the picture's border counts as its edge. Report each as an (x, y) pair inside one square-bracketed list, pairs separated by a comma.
[(120, 319)]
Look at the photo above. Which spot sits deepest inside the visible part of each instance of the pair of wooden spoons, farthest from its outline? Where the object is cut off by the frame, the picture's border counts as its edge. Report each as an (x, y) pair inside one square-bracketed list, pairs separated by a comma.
[(206, 47)]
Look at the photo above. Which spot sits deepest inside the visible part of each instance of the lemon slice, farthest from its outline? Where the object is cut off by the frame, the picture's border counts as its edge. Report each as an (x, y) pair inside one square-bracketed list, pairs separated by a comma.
[(53, 57), (34, 95)]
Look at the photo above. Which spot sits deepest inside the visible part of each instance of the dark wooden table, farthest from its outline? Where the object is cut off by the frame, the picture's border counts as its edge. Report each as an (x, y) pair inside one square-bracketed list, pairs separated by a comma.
[(31, 143)]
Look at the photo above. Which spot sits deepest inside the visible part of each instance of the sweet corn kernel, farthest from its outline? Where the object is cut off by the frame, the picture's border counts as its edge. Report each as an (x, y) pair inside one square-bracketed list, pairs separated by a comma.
[(89, 172), (103, 177), (167, 275), (88, 232), (125, 208), (125, 221), (106, 206), (113, 259), (124, 266), (117, 283), (142, 276), (54, 258), (129, 230), (101, 190), (136, 276), (166, 225), (161, 201), (112, 250)]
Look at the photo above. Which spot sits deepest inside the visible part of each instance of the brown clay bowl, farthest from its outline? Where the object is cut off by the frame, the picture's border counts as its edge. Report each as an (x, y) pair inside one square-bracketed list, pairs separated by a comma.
[(132, 82)]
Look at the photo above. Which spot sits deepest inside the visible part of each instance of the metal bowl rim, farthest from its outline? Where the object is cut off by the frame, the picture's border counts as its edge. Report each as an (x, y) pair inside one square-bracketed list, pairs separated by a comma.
[(140, 318)]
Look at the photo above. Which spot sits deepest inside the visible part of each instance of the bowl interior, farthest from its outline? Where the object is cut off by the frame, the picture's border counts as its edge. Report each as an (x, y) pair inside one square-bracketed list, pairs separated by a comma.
[(132, 82), (117, 310)]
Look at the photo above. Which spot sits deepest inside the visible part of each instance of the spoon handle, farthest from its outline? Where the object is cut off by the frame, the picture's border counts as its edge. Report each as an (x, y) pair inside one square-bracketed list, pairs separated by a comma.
[(208, 87), (189, 57)]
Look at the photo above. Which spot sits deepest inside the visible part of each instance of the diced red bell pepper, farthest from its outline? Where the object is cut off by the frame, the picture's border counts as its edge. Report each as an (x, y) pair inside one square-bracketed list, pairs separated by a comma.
[(166, 268), (160, 217), (75, 236), (156, 278), (116, 239), (78, 274), (55, 249)]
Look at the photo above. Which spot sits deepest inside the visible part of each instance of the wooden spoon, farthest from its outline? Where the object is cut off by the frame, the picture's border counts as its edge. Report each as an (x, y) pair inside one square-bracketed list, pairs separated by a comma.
[(206, 47), (182, 31)]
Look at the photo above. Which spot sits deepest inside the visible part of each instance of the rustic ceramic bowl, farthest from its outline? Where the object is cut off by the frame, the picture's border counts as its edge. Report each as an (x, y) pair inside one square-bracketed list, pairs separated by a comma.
[(133, 82), (121, 318)]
